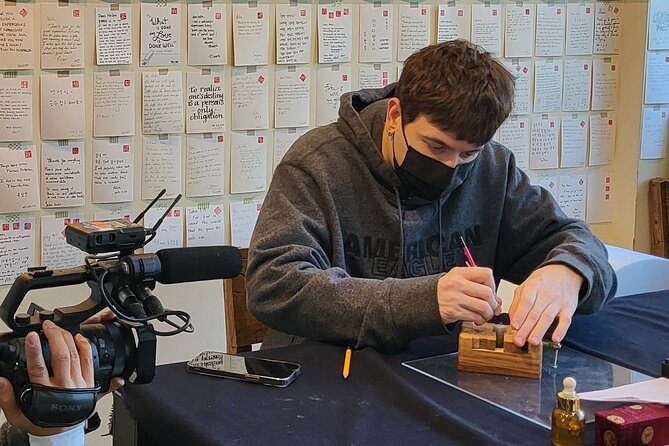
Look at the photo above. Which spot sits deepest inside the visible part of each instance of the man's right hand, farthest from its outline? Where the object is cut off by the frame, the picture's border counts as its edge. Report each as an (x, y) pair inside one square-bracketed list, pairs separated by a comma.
[(468, 294)]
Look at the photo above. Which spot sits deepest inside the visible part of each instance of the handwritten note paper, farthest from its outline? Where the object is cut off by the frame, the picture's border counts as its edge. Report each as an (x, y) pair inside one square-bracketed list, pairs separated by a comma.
[(16, 36), (161, 35), (544, 143), (62, 37), (207, 34), (63, 175), (205, 105), (335, 30), (161, 166), (56, 252), (547, 182), (571, 195), (574, 140), (16, 108), (602, 138), (487, 27), (657, 78), (62, 106), (248, 162), (454, 21), (251, 34), (205, 171), (654, 132), (607, 38), (113, 33), (292, 97), (162, 103), (375, 76), (125, 214), (514, 133), (547, 86), (113, 169), (414, 29), (376, 33), (577, 80), (250, 99), (17, 247), (658, 25), (605, 83), (114, 104), (580, 28), (523, 72), (283, 140), (170, 234), (599, 205), (332, 83), (519, 30), (550, 29), (205, 225), (19, 187), (293, 33), (243, 218)]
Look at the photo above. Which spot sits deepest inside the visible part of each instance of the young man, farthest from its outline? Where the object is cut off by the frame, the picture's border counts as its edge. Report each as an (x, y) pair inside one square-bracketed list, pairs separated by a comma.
[(358, 240)]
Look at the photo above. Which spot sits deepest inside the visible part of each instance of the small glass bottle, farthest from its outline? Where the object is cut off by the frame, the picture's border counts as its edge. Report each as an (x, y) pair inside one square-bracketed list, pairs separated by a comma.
[(568, 420)]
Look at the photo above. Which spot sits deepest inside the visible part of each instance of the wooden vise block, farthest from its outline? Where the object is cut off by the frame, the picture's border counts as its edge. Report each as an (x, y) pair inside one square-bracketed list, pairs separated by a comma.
[(480, 350)]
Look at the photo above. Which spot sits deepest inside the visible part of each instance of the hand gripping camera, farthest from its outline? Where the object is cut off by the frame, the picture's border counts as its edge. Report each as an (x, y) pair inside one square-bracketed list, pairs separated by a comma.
[(121, 280)]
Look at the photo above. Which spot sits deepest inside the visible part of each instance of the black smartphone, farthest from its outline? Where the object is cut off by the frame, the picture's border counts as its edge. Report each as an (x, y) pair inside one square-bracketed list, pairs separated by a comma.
[(258, 370)]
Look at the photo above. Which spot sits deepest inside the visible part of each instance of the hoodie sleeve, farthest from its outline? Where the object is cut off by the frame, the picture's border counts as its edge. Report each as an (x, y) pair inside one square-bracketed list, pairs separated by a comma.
[(293, 286), (535, 231)]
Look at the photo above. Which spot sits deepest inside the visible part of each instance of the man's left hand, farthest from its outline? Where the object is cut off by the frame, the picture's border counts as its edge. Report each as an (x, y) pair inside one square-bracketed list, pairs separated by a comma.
[(549, 292)]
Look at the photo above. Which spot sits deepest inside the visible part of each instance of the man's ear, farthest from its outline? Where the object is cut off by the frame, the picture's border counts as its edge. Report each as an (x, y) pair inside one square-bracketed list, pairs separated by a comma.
[(393, 115)]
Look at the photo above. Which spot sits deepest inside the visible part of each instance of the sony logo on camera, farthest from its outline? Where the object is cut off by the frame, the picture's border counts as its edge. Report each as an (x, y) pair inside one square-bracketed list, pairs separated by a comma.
[(65, 407)]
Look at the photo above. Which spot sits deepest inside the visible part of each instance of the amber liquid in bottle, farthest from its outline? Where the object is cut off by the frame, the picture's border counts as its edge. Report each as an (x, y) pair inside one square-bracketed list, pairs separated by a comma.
[(568, 420)]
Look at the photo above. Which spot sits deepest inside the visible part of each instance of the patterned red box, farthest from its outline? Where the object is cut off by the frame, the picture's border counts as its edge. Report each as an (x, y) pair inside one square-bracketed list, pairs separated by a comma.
[(639, 424)]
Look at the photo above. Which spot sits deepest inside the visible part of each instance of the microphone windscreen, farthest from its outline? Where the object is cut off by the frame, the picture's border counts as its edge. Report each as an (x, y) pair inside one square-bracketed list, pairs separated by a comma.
[(198, 263)]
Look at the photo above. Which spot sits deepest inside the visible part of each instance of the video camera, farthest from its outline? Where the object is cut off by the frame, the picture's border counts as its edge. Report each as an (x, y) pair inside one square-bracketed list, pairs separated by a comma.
[(118, 279)]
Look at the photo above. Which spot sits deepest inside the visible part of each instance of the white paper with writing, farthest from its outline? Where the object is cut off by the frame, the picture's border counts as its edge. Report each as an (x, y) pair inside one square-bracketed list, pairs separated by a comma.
[(243, 218), (293, 33), (205, 168), (62, 36), (580, 28), (454, 21), (292, 97), (125, 214), (62, 106), (577, 81), (19, 187), (17, 247), (250, 99), (250, 34), (248, 162), (523, 72), (414, 30), (657, 78), (605, 84), (599, 203), (161, 166), (332, 83), (17, 44), (519, 29), (487, 27), (63, 174), (113, 33), (55, 251), (544, 143), (205, 226), (658, 25), (602, 139), (113, 104), (160, 35), (654, 132), (547, 181), (170, 234), (374, 76), (16, 108), (113, 170), (205, 102), (607, 34), (162, 103), (514, 133), (547, 86), (207, 34), (574, 145), (283, 140), (550, 33), (335, 33), (571, 195), (376, 33)]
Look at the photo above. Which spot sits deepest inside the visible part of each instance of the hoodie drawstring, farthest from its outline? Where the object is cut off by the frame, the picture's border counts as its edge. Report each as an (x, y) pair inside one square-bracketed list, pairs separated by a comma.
[(441, 241), (399, 208)]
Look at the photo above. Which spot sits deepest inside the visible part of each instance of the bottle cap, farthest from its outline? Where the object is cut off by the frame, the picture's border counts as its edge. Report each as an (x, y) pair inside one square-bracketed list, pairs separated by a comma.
[(569, 390)]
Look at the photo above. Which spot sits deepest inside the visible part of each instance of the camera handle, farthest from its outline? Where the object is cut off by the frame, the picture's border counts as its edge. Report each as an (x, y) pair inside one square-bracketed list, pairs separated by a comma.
[(57, 407)]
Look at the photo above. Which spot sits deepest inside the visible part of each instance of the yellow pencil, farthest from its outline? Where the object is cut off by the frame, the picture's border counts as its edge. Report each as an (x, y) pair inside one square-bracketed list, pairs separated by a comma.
[(347, 363)]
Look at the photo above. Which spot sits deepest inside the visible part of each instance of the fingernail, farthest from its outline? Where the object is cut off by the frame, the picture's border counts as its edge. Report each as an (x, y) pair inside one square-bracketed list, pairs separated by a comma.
[(31, 339), (557, 339), (48, 324), (515, 324), (518, 340), (534, 340)]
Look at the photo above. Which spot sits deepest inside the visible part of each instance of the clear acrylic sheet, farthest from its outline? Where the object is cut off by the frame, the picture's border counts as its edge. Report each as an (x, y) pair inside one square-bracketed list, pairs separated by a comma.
[(532, 399)]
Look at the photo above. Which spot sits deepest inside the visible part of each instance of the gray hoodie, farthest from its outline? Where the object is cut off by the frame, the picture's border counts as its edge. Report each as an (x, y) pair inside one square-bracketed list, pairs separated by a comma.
[(341, 253)]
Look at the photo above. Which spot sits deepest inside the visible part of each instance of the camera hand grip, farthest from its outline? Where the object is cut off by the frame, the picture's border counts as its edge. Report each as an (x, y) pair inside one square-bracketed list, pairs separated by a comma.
[(57, 407)]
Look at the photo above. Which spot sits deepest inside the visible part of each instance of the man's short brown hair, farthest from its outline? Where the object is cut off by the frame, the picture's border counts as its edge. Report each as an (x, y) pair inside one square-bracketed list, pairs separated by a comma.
[(458, 87)]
